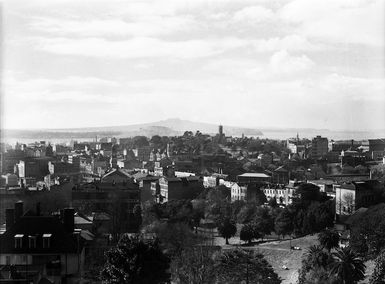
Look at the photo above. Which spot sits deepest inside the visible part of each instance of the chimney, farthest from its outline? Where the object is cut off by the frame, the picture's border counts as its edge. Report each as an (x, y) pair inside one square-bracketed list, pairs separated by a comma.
[(69, 219), (9, 218), (18, 210)]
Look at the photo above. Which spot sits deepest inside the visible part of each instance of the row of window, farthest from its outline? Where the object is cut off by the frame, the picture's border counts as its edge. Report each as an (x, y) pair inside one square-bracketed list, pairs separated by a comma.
[(32, 240)]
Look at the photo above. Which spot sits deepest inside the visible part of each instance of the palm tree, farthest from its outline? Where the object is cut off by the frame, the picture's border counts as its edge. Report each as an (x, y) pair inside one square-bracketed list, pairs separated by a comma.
[(329, 239), (317, 257), (347, 267)]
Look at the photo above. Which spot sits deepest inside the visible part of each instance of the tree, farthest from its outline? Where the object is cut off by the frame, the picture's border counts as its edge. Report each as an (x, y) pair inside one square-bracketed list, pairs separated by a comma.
[(140, 141), (174, 237), (194, 265), (134, 260), (283, 223), (263, 222), (317, 257), (347, 267), (329, 239), (273, 202), (246, 213), (236, 266), (378, 276), (137, 216), (247, 233), (315, 265), (156, 140), (227, 229)]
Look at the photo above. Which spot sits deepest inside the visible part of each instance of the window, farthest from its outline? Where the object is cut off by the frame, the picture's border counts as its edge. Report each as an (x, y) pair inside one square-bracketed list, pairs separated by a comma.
[(8, 260), (19, 241), (32, 242), (47, 240)]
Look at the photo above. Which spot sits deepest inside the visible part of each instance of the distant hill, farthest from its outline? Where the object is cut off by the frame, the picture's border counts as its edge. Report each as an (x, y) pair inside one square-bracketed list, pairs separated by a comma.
[(168, 127)]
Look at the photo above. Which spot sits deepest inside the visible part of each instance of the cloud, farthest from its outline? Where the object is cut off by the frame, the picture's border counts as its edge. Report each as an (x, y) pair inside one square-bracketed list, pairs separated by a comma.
[(114, 27), (354, 88), (282, 62), (338, 21), (253, 15), (289, 42), (140, 47)]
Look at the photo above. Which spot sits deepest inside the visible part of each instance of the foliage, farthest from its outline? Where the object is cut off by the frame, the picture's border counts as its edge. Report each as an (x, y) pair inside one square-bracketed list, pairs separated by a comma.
[(329, 239), (315, 265), (378, 276), (174, 237), (248, 233), (308, 192), (273, 202), (246, 213), (194, 265), (235, 266), (347, 267), (227, 229), (263, 222), (368, 232), (140, 141), (283, 223), (135, 261)]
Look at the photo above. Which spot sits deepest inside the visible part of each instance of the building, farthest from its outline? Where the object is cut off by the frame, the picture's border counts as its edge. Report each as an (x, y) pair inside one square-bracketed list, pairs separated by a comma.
[(325, 185), (377, 148), (247, 193), (247, 178), (146, 194), (278, 192), (143, 153), (280, 175), (9, 180), (116, 194), (354, 195), (42, 247), (178, 188), (319, 147), (237, 191)]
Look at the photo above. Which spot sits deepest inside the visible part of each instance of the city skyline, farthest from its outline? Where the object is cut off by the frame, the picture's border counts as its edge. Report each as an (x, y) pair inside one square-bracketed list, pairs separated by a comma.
[(303, 64)]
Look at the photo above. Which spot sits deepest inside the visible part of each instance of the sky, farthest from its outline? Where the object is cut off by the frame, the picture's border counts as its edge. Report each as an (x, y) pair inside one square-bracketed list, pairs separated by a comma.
[(260, 63)]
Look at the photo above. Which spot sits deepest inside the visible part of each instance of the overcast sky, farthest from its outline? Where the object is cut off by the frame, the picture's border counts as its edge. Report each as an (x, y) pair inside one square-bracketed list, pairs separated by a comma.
[(298, 63)]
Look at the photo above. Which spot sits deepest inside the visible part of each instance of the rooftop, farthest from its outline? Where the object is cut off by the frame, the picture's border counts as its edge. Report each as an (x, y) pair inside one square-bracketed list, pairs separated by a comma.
[(254, 175)]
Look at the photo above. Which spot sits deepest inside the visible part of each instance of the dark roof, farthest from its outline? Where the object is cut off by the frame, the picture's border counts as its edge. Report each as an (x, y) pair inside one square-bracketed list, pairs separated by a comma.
[(61, 241)]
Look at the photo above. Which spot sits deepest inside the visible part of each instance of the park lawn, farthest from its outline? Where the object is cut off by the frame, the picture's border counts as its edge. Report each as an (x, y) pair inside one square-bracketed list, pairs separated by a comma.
[(278, 254)]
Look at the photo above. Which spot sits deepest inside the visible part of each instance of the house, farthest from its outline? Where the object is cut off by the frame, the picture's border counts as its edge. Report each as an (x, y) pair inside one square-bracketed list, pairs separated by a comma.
[(39, 247), (238, 192), (247, 193), (279, 192), (173, 188), (354, 195)]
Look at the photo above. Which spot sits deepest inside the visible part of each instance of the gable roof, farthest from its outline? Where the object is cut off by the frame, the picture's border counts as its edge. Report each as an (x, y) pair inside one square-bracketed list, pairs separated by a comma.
[(117, 172)]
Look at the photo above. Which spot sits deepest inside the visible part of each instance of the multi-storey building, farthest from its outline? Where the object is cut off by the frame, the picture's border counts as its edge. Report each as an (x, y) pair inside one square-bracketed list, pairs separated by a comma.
[(42, 249), (116, 193), (319, 147), (177, 188)]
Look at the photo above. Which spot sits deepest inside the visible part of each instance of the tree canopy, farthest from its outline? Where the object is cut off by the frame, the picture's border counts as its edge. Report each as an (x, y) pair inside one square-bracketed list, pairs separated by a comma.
[(134, 260), (235, 266)]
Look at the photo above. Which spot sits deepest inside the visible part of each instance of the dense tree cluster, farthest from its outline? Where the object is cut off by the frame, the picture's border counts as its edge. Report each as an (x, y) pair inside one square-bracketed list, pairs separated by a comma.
[(320, 265)]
